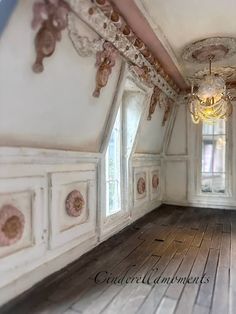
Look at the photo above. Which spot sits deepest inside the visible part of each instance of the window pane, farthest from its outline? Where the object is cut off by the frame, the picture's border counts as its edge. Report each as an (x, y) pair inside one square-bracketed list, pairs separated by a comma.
[(219, 127), (213, 157), (207, 128), (218, 183), (219, 154), (114, 193), (113, 164), (207, 153), (206, 182)]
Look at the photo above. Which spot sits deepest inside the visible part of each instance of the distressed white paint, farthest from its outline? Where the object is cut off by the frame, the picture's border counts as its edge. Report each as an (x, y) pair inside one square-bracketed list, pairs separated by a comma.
[(54, 109), (176, 180), (178, 23)]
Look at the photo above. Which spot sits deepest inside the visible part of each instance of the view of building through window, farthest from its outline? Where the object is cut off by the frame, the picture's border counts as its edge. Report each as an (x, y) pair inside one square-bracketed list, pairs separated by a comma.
[(120, 147), (113, 168), (213, 157)]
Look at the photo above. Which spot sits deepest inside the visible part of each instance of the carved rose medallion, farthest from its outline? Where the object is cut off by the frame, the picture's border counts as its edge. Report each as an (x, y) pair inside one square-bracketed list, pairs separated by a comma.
[(155, 181), (74, 203), (12, 223), (141, 186)]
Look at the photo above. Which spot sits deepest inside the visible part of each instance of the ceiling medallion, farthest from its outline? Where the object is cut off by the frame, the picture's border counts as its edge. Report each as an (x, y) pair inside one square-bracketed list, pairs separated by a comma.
[(211, 102), (228, 73), (217, 47)]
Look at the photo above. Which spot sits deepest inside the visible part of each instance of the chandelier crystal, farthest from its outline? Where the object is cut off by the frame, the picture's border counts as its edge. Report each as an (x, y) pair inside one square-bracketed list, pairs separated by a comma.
[(211, 102)]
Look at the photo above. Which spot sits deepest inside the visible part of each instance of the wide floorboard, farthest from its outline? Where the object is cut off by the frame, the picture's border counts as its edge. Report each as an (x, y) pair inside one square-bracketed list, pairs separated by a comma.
[(174, 260)]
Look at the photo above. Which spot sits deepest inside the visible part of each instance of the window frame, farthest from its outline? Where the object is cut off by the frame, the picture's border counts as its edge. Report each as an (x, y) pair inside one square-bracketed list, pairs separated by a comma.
[(228, 164), (119, 111), (108, 225)]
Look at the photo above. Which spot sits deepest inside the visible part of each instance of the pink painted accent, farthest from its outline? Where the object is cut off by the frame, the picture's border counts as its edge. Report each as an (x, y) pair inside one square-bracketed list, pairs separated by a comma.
[(8, 212), (142, 29)]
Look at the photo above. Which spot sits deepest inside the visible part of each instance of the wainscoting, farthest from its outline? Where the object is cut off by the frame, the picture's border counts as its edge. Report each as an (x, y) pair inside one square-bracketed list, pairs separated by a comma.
[(40, 186)]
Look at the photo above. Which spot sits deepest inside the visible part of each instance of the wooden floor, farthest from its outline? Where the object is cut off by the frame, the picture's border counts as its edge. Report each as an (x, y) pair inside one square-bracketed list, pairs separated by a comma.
[(188, 255)]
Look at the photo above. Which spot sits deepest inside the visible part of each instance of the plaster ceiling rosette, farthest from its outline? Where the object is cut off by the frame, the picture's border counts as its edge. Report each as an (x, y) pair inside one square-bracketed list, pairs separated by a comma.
[(219, 48), (12, 223), (228, 73)]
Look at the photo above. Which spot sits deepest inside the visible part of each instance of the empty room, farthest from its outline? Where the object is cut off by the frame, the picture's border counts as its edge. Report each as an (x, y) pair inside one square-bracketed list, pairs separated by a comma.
[(117, 157)]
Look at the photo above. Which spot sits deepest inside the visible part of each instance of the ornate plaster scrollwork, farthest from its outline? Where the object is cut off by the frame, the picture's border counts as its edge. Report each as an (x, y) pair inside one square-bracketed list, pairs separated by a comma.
[(84, 46), (141, 186), (167, 105), (141, 74), (154, 100), (110, 25), (74, 203), (50, 16), (105, 61), (12, 223)]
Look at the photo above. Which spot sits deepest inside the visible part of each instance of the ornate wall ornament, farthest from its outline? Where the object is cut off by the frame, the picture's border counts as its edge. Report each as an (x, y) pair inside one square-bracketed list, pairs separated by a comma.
[(50, 16), (141, 186), (167, 105), (218, 47), (155, 181), (12, 223), (74, 203), (84, 46), (113, 15), (107, 28), (154, 100), (141, 74), (105, 61)]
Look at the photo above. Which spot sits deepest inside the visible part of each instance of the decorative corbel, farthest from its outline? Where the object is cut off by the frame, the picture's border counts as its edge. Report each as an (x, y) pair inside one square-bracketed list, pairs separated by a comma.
[(154, 99), (105, 61), (168, 106), (50, 16), (140, 73)]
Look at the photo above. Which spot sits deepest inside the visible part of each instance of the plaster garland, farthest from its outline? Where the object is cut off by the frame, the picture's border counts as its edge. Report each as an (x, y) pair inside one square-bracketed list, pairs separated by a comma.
[(154, 100), (105, 61), (97, 20), (53, 16), (50, 17)]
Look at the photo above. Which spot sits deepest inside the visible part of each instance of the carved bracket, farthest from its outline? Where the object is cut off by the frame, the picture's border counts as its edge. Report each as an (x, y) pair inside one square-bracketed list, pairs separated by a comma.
[(167, 105), (154, 99), (105, 61)]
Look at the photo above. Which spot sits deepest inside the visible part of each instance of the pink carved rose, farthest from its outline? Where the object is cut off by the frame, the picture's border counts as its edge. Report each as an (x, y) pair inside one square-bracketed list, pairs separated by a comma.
[(141, 186), (74, 203), (155, 181), (12, 223)]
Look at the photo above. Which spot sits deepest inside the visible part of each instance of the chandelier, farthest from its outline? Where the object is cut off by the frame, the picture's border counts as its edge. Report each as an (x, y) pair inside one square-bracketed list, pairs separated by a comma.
[(211, 101)]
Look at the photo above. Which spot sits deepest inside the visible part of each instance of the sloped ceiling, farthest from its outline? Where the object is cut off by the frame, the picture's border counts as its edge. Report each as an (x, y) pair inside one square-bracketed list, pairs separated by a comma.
[(179, 23), (54, 109)]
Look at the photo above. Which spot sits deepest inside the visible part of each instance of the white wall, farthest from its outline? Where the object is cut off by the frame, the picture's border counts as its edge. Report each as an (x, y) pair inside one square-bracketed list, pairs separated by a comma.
[(182, 161), (56, 110)]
